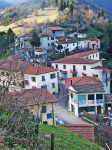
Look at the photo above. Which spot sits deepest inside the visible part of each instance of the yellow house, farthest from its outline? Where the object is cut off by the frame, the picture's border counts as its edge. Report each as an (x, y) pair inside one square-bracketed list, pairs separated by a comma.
[(39, 101)]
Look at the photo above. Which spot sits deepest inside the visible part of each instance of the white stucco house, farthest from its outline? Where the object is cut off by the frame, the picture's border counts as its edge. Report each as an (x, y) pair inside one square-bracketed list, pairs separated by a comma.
[(85, 94), (56, 30), (84, 64), (71, 43), (78, 35), (37, 76), (23, 41), (47, 40), (40, 55)]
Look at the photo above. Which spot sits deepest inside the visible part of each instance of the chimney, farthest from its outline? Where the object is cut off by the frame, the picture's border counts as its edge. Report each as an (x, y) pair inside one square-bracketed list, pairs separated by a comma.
[(71, 82)]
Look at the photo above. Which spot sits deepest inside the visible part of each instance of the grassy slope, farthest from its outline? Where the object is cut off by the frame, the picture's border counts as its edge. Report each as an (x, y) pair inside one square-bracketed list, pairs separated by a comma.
[(68, 140), (48, 15)]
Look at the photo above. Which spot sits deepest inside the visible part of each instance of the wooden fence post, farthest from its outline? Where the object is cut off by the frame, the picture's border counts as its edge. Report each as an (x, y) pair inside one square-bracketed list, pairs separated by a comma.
[(52, 141)]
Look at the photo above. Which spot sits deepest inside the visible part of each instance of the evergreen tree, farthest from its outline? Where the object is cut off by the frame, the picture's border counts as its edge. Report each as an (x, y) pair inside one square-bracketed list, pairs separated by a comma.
[(56, 2), (10, 37), (61, 7), (71, 8), (35, 41)]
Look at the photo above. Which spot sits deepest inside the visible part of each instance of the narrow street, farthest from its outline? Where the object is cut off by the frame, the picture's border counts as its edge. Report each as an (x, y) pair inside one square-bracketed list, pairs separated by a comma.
[(61, 108)]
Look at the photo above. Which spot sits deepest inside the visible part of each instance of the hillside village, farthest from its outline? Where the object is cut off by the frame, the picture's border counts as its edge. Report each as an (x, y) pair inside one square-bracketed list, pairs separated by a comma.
[(56, 80)]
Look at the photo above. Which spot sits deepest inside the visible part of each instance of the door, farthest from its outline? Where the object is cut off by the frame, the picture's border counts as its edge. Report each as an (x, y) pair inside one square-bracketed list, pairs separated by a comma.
[(98, 109)]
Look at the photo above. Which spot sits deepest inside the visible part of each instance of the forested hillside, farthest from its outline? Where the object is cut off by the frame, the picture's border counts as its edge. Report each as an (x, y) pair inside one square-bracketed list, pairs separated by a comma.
[(99, 4)]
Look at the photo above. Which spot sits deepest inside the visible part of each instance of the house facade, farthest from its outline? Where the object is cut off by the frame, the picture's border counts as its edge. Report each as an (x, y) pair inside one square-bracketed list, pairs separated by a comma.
[(23, 41), (40, 55), (94, 43), (47, 40), (39, 101), (12, 74), (85, 94), (71, 44), (56, 31), (41, 77), (84, 64)]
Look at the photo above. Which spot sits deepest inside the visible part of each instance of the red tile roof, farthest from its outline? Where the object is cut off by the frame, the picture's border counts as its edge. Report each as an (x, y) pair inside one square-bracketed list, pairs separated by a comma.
[(75, 60), (46, 34), (39, 49), (104, 69), (86, 131), (30, 97), (36, 70), (81, 80), (66, 41), (14, 66), (56, 28), (85, 84), (86, 53), (25, 36)]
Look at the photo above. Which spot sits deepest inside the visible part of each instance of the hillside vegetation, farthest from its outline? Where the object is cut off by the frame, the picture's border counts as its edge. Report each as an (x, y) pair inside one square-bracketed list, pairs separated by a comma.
[(99, 4), (66, 140), (32, 21)]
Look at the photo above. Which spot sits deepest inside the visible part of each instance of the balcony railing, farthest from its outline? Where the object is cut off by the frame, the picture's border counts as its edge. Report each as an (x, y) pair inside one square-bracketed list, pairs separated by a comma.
[(99, 101)]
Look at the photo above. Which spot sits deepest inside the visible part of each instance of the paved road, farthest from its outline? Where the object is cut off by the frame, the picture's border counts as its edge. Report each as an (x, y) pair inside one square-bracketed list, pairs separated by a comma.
[(61, 108)]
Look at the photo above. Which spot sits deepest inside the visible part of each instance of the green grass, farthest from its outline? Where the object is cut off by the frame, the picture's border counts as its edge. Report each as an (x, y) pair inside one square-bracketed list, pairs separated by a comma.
[(66, 140), (4, 57)]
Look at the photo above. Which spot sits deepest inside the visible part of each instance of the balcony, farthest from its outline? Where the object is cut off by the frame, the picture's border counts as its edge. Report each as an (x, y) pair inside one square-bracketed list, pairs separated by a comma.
[(99, 101), (91, 101)]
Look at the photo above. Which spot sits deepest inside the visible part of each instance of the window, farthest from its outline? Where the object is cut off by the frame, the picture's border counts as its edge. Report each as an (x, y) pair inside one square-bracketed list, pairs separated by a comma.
[(14, 83), (99, 96), (7, 74), (26, 82), (57, 66), (44, 86), (91, 109), (84, 67), (74, 68), (52, 76), (84, 74), (90, 56), (48, 44), (43, 78), (52, 38), (64, 66), (94, 75), (44, 109), (2, 73), (48, 38), (71, 95), (53, 85), (93, 56), (96, 55), (67, 45), (91, 97), (33, 79), (73, 44), (44, 122)]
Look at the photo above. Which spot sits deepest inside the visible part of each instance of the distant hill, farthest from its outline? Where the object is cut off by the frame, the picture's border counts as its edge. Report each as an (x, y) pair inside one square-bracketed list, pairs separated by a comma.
[(4, 4), (99, 4)]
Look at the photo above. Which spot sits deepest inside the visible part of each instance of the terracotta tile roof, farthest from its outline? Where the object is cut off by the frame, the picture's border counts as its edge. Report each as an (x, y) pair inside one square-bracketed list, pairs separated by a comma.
[(68, 41), (93, 39), (56, 28), (30, 97), (86, 53), (86, 131), (24, 36), (85, 84), (75, 60), (39, 50), (104, 69), (36, 70), (14, 66), (46, 34)]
